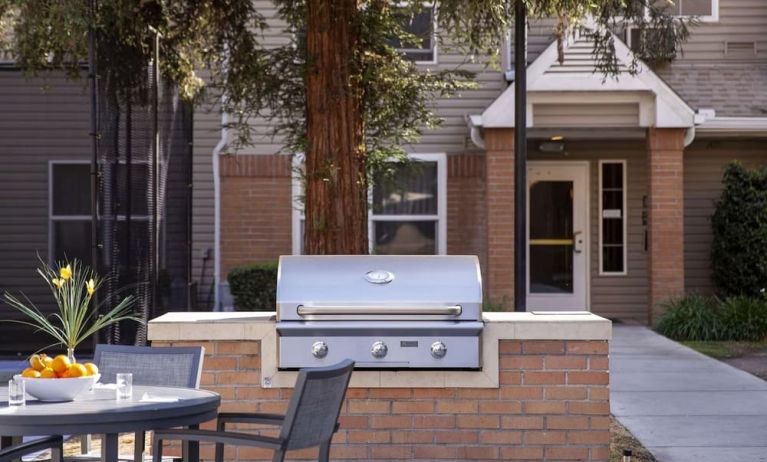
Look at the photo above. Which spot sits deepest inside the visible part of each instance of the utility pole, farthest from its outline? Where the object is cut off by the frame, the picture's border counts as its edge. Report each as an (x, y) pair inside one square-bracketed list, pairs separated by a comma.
[(520, 158)]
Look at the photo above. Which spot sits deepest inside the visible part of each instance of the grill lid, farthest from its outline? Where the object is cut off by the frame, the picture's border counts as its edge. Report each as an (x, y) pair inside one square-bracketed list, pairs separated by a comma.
[(376, 286)]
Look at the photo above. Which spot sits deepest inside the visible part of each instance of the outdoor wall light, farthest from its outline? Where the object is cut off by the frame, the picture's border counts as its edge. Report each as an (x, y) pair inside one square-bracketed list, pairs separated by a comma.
[(555, 145)]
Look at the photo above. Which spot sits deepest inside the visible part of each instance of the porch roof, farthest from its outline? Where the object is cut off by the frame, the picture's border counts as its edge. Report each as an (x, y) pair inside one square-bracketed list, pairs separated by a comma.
[(575, 83)]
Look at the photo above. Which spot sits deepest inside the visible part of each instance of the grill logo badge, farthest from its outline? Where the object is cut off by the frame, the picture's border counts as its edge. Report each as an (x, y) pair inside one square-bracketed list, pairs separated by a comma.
[(379, 277)]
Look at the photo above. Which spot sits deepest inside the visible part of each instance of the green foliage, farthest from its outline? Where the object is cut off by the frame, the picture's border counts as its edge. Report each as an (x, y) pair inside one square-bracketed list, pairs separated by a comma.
[(693, 317), (254, 287), (72, 286), (739, 225), (700, 318)]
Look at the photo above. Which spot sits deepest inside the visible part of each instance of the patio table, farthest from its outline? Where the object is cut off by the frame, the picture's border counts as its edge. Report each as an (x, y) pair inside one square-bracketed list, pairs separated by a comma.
[(98, 412)]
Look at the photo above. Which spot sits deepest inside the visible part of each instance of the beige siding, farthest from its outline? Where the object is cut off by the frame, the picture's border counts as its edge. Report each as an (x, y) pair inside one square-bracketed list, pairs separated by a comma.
[(622, 297), (742, 26), (586, 115), (40, 120), (704, 163)]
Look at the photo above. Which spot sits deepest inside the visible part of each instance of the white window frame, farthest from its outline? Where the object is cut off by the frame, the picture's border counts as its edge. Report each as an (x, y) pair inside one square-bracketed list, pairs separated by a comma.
[(713, 17), (441, 216), (434, 45), (54, 218), (600, 211)]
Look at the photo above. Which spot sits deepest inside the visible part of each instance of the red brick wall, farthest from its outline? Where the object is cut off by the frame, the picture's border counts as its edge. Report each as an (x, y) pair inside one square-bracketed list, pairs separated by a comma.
[(552, 404), (466, 217), (255, 209), (500, 215), (665, 152)]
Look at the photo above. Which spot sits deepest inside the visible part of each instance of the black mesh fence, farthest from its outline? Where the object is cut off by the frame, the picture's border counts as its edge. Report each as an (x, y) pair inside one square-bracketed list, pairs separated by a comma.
[(144, 190)]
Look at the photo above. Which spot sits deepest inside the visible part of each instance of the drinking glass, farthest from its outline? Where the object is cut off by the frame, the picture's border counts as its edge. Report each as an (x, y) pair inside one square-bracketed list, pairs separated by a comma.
[(124, 386), (16, 392)]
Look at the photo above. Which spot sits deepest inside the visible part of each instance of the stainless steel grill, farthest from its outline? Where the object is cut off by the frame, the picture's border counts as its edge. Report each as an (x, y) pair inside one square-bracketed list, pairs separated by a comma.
[(381, 311)]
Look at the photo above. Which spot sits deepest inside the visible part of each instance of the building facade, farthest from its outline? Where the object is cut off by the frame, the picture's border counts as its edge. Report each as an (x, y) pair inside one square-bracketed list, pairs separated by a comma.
[(622, 172)]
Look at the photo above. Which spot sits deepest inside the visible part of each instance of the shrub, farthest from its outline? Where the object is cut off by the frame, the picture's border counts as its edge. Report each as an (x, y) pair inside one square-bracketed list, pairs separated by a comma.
[(745, 318), (693, 317), (739, 226), (254, 287), (696, 317)]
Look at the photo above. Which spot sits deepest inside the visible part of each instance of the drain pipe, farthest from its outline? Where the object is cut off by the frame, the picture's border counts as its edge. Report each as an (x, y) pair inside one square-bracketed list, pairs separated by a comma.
[(220, 147), (475, 130), (689, 136)]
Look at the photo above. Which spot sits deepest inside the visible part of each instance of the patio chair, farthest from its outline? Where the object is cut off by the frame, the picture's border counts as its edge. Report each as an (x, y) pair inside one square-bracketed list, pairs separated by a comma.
[(311, 419), (157, 366), (16, 452)]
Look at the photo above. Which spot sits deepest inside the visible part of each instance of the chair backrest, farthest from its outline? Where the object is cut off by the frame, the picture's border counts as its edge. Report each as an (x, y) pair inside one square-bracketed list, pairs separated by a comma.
[(315, 405), (159, 366)]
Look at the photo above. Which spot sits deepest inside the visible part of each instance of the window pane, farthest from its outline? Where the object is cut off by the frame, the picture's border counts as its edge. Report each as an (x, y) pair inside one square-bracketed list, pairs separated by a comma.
[(612, 200), (411, 190), (612, 259), (612, 176), (71, 189), (72, 239), (405, 237), (421, 26), (696, 7), (612, 231)]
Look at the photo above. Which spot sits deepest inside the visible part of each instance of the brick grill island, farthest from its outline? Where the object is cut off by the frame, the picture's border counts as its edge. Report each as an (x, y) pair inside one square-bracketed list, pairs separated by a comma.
[(542, 394)]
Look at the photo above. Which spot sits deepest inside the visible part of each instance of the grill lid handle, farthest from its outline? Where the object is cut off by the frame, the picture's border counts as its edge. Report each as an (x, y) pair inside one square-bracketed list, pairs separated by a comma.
[(454, 310)]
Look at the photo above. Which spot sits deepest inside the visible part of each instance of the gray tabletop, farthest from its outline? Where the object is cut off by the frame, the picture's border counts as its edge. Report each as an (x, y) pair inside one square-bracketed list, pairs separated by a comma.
[(98, 412)]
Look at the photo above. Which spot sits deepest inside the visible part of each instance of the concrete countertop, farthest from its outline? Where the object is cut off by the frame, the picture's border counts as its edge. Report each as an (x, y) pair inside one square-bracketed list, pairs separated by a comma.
[(259, 326)]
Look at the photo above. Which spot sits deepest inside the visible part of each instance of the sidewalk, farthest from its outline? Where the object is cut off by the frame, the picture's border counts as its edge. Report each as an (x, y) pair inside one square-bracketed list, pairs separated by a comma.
[(684, 406)]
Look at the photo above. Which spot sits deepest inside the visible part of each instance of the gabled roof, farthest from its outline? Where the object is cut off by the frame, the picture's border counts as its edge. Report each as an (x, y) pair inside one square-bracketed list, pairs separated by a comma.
[(576, 75), (732, 89)]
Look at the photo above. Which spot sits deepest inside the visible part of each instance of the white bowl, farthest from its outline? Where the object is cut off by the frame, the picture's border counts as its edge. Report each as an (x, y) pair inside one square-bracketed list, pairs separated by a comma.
[(57, 389)]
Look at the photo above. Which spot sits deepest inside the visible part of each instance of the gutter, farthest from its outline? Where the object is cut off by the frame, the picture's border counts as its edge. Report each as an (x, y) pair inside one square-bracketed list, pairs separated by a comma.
[(220, 147), (734, 126)]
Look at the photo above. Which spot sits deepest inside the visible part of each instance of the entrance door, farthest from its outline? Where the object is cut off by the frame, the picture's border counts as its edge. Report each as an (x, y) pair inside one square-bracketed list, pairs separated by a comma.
[(557, 233)]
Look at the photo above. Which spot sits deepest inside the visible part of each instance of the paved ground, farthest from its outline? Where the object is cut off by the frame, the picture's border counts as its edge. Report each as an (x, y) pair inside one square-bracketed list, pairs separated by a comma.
[(684, 406)]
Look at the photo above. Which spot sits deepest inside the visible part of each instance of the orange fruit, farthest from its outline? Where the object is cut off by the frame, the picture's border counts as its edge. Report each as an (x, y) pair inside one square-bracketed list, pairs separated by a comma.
[(47, 373), (37, 362), (60, 364), (91, 368), (30, 373), (77, 370), (47, 360)]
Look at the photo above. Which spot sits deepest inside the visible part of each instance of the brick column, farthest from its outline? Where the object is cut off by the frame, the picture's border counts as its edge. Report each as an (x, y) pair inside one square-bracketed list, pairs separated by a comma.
[(499, 274), (665, 155)]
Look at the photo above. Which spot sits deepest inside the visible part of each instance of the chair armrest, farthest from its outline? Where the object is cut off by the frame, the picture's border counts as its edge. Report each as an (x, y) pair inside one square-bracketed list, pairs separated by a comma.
[(249, 417), (15, 452), (208, 436)]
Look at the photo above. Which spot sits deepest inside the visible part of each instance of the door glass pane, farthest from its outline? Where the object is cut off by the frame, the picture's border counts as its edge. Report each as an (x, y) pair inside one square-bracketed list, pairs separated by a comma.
[(551, 237), (405, 237)]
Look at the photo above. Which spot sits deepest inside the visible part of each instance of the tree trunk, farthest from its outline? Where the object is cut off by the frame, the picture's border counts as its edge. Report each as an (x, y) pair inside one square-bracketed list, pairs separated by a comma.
[(336, 184)]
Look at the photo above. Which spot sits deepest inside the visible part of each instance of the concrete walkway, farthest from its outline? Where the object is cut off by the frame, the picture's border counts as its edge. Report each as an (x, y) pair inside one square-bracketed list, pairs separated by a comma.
[(684, 406)]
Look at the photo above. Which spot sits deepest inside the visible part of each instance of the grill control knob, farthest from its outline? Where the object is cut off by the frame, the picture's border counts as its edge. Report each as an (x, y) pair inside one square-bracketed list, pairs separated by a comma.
[(379, 349), (438, 350), (319, 349)]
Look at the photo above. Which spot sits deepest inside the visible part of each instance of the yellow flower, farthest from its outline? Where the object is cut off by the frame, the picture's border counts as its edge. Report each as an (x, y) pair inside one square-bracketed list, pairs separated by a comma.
[(58, 282), (90, 286), (65, 272)]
